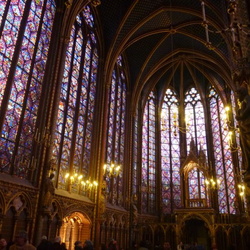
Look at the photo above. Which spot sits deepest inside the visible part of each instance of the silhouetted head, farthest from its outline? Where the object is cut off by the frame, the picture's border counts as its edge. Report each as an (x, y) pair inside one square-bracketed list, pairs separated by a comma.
[(21, 238)]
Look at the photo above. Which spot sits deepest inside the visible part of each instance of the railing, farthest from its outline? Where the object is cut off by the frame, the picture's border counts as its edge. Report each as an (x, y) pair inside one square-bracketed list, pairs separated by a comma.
[(196, 203)]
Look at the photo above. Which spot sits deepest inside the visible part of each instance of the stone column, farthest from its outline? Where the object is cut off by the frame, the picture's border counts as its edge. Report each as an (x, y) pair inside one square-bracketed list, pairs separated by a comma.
[(1, 222), (14, 227), (247, 195), (39, 228)]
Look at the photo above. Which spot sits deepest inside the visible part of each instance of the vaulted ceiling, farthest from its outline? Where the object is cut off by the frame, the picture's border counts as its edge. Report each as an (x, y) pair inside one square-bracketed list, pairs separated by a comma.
[(164, 41)]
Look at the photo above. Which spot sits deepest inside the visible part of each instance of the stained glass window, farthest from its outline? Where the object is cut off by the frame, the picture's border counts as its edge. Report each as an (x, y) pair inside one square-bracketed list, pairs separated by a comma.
[(116, 129), (197, 188), (25, 31), (189, 125), (135, 156), (222, 155), (170, 152), (194, 114), (148, 155), (73, 136)]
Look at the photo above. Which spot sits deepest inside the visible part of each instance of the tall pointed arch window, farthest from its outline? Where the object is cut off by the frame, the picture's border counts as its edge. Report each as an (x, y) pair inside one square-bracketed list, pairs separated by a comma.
[(73, 135), (116, 131), (148, 155), (196, 135), (194, 113), (222, 155), (25, 32), (135, 156), (170, 153)]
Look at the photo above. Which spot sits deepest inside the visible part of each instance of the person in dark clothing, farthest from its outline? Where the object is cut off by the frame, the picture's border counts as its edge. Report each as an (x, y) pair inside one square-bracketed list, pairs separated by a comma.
[(88, 245), (78, 245), (44, 244), (63, 246), (3, 244), (103, 247), (112, 245), (57, 244)]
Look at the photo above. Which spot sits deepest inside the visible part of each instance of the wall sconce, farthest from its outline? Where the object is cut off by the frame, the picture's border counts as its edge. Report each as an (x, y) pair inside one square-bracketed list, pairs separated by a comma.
[(111, 179), (111, 170), (241, 188), (231, 129), (212, 184), (84, 185), (43, 137), (227, 120), (21, 161)]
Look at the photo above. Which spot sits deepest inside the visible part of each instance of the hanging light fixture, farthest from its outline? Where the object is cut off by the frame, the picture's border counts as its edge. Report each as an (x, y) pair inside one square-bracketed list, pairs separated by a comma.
[(205, 25), (175, 127), (228, 126), (234, 27), (111, 170)]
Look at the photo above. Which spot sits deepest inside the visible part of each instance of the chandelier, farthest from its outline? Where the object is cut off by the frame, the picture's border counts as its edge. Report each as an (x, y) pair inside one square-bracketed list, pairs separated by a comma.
[(174, 127), (111, 170), (233, 29)]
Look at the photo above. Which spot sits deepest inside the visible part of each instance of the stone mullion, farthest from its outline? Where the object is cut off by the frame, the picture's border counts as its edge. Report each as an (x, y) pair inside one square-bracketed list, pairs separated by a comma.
[(14, 227), (47, 108)]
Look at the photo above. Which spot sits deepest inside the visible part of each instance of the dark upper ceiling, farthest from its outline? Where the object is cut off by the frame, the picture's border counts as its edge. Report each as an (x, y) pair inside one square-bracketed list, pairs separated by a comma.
[(164, 41)]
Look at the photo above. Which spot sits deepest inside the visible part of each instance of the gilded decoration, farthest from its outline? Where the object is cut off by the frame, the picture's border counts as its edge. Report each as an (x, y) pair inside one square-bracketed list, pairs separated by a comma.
[(69, 206), (17, 197)]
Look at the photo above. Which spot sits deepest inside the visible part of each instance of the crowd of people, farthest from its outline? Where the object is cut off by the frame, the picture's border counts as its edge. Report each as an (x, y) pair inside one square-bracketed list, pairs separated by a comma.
[(21, 242), (147, 245)]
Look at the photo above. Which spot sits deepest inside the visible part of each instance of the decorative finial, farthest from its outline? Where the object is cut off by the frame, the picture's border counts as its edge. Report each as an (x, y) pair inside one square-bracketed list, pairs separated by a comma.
[(95, 3)]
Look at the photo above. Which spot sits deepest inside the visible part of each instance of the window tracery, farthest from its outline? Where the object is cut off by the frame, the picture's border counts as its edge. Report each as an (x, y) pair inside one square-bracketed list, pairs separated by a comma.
[(25, 31), (73, 135), (171, 173), (224, 166), (148, 172), (116, 131), (170, 153)]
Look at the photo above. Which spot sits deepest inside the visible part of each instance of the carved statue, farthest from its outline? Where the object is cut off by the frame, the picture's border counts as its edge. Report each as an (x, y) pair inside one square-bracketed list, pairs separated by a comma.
[(243, 118), (102, 204), (49, 191), (134, 213), (134, 209)]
